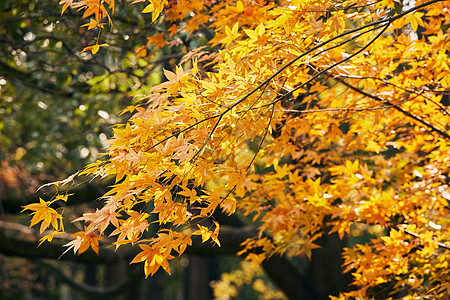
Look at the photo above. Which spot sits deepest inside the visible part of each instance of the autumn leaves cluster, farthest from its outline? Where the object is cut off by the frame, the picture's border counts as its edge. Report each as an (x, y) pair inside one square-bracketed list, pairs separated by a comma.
[(317, 117)]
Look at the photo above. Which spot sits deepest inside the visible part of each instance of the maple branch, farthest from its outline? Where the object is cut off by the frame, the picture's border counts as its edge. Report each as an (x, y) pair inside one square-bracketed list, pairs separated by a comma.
[(220, 116), (25, 78), (335, 64), (14, 203), (336, 9), (388, 21), (19, 240), (338, 109), (263, 137), (441, 107), (183, 130), (439, 244), (385, 26), (395, 106), (265, 82)]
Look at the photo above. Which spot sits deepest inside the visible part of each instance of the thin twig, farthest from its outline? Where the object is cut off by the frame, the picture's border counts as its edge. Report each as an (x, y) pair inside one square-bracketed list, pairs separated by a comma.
[(417, 118)]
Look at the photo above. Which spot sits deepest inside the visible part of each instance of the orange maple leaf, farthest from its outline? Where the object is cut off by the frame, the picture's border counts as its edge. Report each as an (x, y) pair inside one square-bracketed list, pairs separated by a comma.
[(82, 242), (157, 40)]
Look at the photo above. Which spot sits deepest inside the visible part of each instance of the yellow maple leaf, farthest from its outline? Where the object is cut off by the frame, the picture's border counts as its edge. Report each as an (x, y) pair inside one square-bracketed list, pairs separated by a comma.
[(49, 237), (154, 258), (93, 24), (66, 3), (239, 6), (42, 212), (94, 48)]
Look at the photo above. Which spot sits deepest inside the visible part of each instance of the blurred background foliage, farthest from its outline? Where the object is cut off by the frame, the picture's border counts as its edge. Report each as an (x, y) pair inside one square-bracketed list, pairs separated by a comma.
[(58, 104)]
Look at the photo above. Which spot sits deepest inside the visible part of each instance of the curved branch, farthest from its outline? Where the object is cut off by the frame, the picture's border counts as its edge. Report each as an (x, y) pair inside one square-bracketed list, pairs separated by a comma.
[(19, 240), (386, 22), (386, 82), (22, 241), (14, 202), (92, 291), (25, 79), (408, 114)]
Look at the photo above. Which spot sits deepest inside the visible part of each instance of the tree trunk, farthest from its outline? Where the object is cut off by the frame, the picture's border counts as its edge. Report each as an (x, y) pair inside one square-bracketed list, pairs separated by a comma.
[(326, 267), (200, 272)]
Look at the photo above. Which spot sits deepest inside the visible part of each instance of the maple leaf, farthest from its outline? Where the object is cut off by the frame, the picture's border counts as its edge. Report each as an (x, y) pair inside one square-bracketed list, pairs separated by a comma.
[(82, 241), (416, 20), (94, 49), (140, 52), (254, 35), (231, 34), (187, 241), (191, 194), (93, 24), (157, 39), (49, 237), (173, 29), (207, 234), (153, 258), (228, 205), (42, 212), (74, 244), (155, 7), (66, 4), (88, 240), (239, 6)]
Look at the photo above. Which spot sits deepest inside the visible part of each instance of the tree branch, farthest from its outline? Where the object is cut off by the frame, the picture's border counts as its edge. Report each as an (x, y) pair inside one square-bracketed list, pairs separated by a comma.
[(418, 119), (19, 240), (13, 203), (92, 291)]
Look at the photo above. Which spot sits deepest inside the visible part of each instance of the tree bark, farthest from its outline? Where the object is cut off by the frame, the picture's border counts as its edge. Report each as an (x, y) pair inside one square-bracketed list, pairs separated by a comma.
[(326, 268), (294, 285)]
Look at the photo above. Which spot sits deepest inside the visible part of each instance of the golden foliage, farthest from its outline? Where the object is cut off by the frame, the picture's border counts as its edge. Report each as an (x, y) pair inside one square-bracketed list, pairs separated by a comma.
[(317, 114)]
